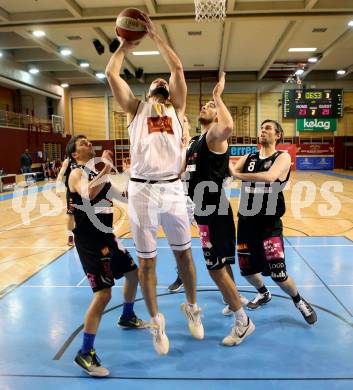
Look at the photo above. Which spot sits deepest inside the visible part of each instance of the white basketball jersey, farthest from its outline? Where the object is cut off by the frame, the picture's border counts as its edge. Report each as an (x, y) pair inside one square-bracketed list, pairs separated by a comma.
[(156, 142)]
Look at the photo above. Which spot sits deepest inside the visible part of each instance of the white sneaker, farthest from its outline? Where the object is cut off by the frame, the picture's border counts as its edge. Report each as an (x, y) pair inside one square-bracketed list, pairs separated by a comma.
[(160, 339), (307, 311), (243, 300), (194, 321), (238, 333), (226, 311), (259, 300)]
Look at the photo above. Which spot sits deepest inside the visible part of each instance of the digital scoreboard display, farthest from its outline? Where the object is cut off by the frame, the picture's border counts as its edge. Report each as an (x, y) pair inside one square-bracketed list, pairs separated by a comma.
[(312, 103)]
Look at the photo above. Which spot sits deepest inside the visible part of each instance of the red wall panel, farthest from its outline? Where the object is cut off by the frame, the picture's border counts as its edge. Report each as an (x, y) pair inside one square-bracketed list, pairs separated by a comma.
[(13, 143)]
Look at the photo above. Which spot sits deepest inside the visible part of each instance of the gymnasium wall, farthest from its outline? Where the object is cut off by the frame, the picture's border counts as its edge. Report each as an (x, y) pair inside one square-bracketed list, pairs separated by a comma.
[(6, 99), (14, 142), (88, 117), (264, 104)]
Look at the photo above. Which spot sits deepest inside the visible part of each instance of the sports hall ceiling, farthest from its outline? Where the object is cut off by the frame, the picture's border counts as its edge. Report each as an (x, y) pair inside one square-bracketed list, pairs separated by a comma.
[(253, 41)]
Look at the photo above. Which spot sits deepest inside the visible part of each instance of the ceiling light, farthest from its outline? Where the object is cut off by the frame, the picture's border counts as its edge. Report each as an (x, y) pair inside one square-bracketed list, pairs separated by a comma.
[(341, 72), (100, 75), (313, 60), (64, 85), (84, 64), (38, 33), (299, 49), (1, 54), (350, 23), (146, 53), (65, 52), (299, 72), (33, 71)]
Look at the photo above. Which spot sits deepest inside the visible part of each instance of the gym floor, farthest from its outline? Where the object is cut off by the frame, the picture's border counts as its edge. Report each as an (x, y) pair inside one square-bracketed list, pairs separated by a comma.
[(41, 315)]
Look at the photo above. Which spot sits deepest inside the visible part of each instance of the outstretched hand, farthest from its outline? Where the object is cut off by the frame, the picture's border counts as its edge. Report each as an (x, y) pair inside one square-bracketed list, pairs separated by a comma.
[(150, 27), (218, 89), (127, 45)]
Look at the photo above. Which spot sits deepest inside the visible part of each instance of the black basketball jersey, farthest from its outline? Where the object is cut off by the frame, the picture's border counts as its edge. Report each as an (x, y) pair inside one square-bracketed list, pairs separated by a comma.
[(86, 211), (258, 199), (203, 165)]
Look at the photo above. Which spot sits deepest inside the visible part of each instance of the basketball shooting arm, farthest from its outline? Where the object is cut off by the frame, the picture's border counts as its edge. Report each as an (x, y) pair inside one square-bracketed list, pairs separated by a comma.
[(278, 170), (78, 181), (218, 135), (121, 90), (177, 83)]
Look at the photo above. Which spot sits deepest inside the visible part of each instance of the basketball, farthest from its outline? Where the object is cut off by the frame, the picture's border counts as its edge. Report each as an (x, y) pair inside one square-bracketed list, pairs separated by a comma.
[(128, 25)]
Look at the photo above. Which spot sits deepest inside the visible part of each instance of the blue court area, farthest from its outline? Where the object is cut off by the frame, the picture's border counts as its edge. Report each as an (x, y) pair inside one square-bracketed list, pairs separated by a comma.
[(41, 325), (24, 191)]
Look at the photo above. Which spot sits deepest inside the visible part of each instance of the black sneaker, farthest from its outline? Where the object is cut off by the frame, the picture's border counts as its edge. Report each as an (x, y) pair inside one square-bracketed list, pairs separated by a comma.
[(90, 363), (307, 311), (176, 286), (131, 323), (259, 300)]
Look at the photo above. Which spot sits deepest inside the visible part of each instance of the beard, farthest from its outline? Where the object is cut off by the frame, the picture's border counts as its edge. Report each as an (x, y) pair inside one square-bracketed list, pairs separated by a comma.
[(160, 91), (264, 141), (92, 154), (204, 121)]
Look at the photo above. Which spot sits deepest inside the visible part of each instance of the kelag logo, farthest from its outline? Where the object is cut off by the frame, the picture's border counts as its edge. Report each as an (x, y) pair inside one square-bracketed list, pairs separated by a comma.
[(323, 124), (242, 150)]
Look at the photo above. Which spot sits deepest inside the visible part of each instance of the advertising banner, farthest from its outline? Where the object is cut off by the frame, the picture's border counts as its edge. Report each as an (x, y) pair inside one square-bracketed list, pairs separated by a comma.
[(317, 124), (236, 151), (326, 149), (292, 150), (315, 163)]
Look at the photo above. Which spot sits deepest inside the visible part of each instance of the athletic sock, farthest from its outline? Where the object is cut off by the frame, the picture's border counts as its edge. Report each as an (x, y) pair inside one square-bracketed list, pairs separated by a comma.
[(296, 298), (192, 306), (128, 310), (88, 341), (241, 316), (262, 290)]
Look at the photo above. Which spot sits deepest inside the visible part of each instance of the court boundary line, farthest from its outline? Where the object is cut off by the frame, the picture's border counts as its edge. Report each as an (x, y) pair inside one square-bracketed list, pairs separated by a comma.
[(34, 274), (194, 246), (79, 285), (69, 340), (178, 378), (322, 281)]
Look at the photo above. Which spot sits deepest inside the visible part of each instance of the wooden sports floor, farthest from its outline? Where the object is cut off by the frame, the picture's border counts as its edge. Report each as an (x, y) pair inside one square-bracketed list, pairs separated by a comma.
[(30, 240)]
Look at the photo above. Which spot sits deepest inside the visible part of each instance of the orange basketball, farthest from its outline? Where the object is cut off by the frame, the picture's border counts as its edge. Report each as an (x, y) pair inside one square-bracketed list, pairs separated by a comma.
[(128, 24)]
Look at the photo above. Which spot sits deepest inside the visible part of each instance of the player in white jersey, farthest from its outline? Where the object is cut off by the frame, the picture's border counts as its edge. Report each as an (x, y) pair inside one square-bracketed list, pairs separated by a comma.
[(156, 194)]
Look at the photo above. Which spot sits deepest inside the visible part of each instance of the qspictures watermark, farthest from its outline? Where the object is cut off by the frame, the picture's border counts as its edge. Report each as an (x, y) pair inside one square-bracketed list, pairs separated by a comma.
[(300, 196)]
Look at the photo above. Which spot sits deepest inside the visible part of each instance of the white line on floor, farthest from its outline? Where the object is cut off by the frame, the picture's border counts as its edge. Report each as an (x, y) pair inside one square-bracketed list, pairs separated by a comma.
[(198, 287), (80, 282)]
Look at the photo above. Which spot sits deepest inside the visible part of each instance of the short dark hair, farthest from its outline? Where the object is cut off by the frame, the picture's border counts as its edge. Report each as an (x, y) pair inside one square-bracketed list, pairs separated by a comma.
[(71, 146), (279, 129)]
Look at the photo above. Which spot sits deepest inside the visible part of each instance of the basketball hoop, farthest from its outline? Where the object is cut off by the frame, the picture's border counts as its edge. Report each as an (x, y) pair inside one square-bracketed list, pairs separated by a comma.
[(210, 10)]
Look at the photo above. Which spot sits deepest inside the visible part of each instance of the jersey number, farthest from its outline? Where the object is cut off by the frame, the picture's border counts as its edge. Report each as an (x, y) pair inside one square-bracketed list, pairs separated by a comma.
[(251, 166)]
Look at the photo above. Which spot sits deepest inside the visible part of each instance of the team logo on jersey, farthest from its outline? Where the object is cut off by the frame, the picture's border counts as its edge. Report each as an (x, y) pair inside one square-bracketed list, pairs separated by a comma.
[(190, 143), (267, 164), (105, 251), (160, 124)]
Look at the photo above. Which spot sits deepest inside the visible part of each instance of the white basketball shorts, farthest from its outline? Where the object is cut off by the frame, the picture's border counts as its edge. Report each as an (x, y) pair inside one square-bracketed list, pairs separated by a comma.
[(154, 205)]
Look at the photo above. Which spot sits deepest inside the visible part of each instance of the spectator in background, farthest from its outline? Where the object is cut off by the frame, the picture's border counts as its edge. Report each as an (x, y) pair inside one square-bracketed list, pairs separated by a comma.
[(46, 169), (26, 162)]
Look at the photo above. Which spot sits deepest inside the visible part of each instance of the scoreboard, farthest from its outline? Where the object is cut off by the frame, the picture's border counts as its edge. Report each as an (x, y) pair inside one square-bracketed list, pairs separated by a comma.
[(312, 103)]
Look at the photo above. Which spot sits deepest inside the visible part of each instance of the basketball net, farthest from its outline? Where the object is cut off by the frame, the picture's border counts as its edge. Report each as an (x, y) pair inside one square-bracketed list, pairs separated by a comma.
[(210, 10)]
